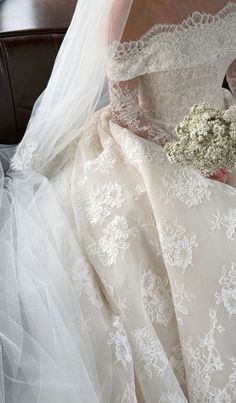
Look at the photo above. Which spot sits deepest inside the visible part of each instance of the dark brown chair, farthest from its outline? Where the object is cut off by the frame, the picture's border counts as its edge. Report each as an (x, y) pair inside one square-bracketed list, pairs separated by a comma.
[(31, 32)]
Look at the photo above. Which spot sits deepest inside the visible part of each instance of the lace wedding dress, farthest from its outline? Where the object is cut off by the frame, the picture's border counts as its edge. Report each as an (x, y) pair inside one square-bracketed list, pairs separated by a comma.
[(156, 281)]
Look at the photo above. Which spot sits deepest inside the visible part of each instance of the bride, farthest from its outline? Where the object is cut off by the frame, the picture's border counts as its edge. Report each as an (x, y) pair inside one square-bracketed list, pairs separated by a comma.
[(118, 269)]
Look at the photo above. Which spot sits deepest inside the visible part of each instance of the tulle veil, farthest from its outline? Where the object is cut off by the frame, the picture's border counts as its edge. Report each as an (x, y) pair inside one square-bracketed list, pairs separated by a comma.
[(46, 352)]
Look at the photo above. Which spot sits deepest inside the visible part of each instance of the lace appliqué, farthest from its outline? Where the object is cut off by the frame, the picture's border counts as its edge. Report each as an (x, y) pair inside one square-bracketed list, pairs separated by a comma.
[(114, 242), (157, 298), (227, 222), (203, 361), (138, 151), (23, 156), (227, 295), (122, 348), (176, 246), (150, 354), (187, 186), (103, 200), (181, 297), (126, 112), (104, 163), (176, 66), (137, 58)]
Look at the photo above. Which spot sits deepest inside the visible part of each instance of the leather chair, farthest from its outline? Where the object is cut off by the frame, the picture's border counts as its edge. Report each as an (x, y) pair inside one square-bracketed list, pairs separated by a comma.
[(31, 32)]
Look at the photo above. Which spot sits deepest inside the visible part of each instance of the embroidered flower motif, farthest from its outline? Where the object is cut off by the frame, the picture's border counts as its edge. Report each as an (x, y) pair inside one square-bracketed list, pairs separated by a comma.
[(114, 242), (227, 295), (150, 354), (177, 248), (228, 222), (83, 282), (185, 185), (104, 163), (138, 150), (23, 156), (157, 298), (128, 396), (181, 296), (122, 348), (102, 200), (203, 360)]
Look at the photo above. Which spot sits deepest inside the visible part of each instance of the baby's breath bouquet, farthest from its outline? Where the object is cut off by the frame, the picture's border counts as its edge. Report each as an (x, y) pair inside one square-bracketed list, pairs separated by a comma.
[(206, 140)]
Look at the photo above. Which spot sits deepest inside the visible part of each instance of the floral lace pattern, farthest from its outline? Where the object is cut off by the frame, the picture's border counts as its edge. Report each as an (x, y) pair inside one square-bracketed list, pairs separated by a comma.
[(114, 242), (103, 200), (204, 360), (157, 298), (150, 354), (177, 247), (227, 294), (23, 156), (190, 188), (119, 339), (181, 298), (133, 54), (225, 221), (143, 70), (140, 152), (127, 113)]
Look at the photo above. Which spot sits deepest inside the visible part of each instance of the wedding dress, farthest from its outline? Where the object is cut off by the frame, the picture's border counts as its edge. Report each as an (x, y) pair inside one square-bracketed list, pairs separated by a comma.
[(148, 248)]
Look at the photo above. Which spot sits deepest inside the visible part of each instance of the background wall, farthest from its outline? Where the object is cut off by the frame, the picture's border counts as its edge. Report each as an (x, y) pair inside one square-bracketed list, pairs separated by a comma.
[(31, 32)]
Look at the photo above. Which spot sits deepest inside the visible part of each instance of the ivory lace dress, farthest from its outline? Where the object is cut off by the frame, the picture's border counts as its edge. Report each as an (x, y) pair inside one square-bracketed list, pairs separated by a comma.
[(158, 282)]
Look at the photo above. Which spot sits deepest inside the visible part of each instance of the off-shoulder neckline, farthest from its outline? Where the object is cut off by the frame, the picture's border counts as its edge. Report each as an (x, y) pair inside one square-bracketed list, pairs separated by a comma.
[(196, 18)]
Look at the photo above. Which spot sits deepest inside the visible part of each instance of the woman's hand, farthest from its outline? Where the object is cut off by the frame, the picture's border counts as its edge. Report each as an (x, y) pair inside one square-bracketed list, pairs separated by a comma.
[(221, 175)]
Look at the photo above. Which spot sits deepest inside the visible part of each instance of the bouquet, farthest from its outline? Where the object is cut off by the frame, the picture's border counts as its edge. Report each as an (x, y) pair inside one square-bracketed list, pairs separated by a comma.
[(206, 140)]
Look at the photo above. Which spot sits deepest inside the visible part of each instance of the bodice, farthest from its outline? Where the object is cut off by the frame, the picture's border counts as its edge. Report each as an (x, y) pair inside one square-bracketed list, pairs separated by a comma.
[(178, 65)]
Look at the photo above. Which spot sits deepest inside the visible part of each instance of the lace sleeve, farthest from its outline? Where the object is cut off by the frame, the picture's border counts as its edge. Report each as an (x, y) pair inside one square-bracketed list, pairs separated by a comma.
[(127, 112), (231, 77)]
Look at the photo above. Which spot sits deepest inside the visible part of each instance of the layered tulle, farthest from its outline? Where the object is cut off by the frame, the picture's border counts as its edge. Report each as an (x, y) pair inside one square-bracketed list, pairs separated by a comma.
[(46, 353)]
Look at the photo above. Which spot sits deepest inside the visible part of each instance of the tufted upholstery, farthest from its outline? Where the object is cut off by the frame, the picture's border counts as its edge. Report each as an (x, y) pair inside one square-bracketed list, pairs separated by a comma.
[(31, 32)]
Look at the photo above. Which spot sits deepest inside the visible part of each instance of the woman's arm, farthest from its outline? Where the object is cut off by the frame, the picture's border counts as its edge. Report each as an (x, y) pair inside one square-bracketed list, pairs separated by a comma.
[(127, 113), (231, 77)]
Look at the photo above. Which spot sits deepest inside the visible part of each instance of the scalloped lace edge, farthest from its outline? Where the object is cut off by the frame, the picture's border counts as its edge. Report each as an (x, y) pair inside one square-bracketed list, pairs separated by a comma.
[(197, 18)]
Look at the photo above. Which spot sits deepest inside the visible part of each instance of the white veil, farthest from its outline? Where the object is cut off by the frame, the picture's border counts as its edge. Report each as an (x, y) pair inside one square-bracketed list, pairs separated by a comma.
[(78, 82), (46, 354)]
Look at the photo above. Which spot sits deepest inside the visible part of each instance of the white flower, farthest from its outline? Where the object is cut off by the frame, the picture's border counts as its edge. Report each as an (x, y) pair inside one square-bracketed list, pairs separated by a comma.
[(206, 140), (229, 300)]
